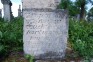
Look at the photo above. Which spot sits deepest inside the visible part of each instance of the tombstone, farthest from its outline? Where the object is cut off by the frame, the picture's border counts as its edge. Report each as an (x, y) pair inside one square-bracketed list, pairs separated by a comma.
[(19, 11), (78, 17), (7, 9), (45, 29), (1, 13)]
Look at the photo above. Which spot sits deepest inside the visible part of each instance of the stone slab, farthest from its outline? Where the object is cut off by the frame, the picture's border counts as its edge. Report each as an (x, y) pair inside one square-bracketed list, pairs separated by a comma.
[(7, 9), (45, 33)]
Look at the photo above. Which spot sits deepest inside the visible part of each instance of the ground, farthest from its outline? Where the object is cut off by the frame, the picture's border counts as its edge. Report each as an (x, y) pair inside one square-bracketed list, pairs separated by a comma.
[(16, 57), (19, 57)]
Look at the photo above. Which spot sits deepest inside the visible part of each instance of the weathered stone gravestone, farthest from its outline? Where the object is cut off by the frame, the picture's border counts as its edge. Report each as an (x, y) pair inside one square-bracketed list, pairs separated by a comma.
[(7, 9), (45, 29), (19, 11), (1, 13)]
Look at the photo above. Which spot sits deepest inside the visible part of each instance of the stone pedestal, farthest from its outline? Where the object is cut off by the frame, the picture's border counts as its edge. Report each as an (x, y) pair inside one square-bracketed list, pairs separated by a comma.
[(45, 29), (7, 9)]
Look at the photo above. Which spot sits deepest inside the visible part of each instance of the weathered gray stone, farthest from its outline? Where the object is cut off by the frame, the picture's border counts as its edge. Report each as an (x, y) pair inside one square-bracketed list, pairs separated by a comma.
[(92, 60), (1, 13), (52, 4), (45, 30), (7, 9), (19, 11)]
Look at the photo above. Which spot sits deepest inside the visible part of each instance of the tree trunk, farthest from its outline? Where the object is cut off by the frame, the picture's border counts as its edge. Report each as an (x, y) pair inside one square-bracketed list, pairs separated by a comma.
[(82, 11)]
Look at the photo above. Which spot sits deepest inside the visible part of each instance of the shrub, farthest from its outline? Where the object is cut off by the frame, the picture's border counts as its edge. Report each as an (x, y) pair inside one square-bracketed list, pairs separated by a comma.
[(81, 37), (11, 34)]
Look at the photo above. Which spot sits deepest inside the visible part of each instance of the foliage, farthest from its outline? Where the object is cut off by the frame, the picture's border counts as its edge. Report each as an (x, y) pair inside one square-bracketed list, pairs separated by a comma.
[(29, 57), (90, 15), (64, 4), (81, 4), (70, 6), (76, 7), (3, 50), (11, 35), (81, 38)]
